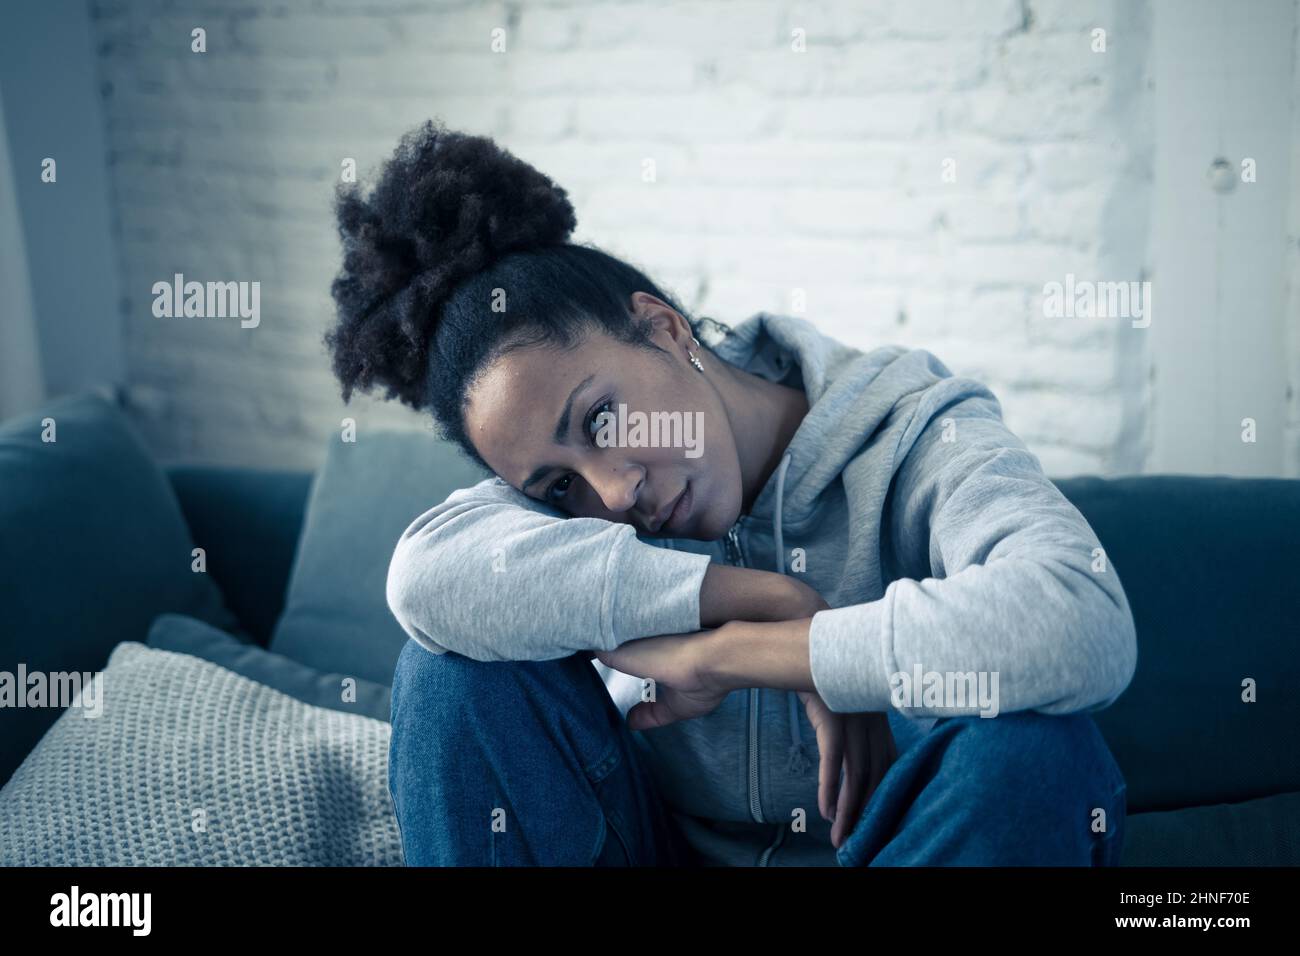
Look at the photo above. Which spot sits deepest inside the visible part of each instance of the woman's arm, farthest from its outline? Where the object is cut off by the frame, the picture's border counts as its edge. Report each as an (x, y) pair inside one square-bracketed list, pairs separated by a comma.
[(495, 575), (765, 654), (748, 594), (998, 575), (768, 648)]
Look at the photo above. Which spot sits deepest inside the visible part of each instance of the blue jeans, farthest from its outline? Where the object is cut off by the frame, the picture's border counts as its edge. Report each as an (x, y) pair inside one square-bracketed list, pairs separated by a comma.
[(515, 764)]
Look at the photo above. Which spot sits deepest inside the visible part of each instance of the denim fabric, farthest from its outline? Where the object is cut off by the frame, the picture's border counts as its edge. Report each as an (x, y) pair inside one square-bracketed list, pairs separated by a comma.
[(539, 748), (1019, 789), (519, 764)]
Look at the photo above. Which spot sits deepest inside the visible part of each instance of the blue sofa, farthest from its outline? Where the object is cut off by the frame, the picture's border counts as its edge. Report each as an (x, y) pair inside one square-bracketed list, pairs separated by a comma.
[(1206, 562), (99, 537)]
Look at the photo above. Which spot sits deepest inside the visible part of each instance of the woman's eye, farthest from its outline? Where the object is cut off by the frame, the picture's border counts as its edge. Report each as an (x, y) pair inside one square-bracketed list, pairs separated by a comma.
[(599, 414), (550, 492), (557, 490)]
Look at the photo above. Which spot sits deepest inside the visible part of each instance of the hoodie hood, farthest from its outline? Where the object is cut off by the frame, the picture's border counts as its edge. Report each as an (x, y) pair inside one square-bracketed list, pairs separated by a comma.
[(791, 351)]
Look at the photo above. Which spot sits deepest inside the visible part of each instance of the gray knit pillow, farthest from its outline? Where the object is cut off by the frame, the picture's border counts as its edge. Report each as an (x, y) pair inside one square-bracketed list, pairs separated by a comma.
[(192, 764)]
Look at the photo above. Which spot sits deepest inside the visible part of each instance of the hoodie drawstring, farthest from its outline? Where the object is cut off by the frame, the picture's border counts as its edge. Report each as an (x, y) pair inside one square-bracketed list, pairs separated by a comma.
[(780, 495), (799, 762)]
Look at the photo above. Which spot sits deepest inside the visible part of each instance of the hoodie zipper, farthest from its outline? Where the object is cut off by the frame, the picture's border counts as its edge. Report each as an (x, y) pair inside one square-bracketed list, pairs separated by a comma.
[(755, 803)]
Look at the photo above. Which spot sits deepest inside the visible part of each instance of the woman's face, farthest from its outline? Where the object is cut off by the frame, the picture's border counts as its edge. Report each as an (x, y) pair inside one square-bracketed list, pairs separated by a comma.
[(536, 416)]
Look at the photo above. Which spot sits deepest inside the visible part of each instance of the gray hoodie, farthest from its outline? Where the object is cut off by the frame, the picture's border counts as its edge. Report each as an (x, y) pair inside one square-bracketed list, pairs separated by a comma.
[(945, 553)]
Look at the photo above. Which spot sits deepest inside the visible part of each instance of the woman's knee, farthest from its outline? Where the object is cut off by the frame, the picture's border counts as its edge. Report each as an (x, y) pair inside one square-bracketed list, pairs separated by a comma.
[(427, 683), (1029, 741), (1053, 777), (1057, 758), (452, 702)]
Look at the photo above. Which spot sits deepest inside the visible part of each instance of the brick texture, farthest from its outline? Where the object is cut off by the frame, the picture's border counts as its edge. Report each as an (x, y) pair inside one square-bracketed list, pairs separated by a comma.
[(780, 175)]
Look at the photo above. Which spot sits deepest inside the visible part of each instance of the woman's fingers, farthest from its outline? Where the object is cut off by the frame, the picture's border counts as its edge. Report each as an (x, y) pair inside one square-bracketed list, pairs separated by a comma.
[(830, 747), (830, 743), (857, 764), (856, 752)]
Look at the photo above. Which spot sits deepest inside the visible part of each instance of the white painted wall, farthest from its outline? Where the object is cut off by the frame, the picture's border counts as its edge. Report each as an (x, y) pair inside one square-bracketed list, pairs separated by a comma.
[(1291, 317), (779, 174), (63, 224), (1224, 82)]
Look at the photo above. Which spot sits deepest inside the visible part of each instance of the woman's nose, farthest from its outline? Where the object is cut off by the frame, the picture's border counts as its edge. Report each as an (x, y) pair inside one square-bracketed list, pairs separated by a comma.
[(617, 487)]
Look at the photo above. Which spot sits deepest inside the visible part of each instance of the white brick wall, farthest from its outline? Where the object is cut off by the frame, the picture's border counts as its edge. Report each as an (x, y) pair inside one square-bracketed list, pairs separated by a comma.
[(1292, 457), (776, 171)]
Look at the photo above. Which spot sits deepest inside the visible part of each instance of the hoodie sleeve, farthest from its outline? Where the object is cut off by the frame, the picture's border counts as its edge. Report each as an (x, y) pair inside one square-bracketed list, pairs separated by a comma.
[(495, 575), (997, 572)]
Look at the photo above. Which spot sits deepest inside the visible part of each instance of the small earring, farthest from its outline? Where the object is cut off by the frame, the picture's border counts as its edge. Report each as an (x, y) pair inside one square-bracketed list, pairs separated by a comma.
[(696, 362)]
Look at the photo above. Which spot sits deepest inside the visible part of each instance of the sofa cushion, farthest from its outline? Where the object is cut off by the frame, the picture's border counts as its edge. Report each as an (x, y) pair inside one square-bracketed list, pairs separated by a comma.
[(1204, 562), (93, 548), (250, 520), (185, 635), (336, 617), (189, 764), (1262, 832)]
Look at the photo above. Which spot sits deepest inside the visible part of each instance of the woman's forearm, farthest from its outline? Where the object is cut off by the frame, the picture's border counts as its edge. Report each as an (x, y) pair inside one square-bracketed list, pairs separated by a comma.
[(762, 621), (763, 654), (746, 594)]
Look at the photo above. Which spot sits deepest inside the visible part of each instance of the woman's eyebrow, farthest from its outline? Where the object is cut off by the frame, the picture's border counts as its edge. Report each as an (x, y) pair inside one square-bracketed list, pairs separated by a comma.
[(561, 431)]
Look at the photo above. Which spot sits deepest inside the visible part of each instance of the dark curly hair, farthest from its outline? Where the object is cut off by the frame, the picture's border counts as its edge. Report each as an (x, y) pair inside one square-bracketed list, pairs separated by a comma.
[(454, 225)]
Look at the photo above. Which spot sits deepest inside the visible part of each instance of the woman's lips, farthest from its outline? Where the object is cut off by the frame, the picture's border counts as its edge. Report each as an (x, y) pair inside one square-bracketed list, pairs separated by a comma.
[(681, 511)]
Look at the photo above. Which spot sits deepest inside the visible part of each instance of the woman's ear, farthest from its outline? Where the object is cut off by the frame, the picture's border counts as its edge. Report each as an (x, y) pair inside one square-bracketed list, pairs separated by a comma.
[(661, 316)]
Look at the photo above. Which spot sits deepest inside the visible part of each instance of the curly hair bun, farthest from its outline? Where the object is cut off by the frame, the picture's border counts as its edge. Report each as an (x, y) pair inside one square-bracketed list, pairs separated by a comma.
[(445, 206)]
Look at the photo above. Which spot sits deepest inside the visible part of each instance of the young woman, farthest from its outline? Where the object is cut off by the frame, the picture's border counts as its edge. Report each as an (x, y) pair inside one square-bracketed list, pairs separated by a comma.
[(846, 620)]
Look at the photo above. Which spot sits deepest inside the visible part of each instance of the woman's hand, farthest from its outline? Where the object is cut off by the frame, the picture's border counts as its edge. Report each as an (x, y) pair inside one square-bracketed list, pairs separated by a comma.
[(677, 663), (694, 672), (860, 745)]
